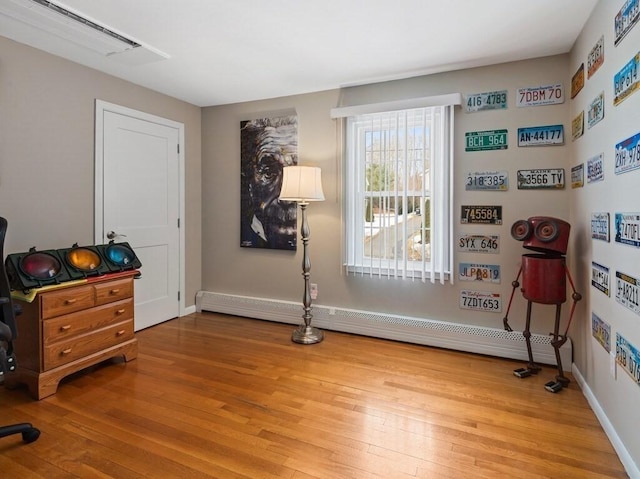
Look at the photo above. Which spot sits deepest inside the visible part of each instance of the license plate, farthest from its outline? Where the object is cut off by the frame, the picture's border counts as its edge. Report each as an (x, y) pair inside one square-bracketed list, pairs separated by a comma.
[(625, 19), (481, 301), (600, 278), (541, 179), (486, 273), (486, 140), (540, 95), (628, 228), (628, 357), (600, 226), (628, 155), (595, 58), (487, 180), (601, 330), (627, 292), (577, 126), (625, 82), (596, 110), (472, 214), (478, 243), (491, 100), (595, 168), (577, 176), (577, 81), (550, 135)]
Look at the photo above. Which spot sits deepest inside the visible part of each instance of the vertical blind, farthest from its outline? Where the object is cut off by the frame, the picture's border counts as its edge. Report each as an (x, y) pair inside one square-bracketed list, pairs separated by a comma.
[(399, 194)]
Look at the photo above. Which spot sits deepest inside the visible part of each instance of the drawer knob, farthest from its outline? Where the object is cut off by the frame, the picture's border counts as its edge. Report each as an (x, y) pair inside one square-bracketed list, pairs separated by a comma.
[(120, 333), (66, 351), (120, 311), (66, 327), (70, 301), (114, 291)]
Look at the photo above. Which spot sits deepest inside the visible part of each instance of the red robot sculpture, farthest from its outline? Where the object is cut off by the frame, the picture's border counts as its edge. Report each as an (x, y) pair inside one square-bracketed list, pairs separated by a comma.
[(544, 276)]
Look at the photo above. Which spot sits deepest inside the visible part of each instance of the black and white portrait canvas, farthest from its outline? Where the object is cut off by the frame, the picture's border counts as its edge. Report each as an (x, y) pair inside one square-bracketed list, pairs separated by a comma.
[(267, 146)]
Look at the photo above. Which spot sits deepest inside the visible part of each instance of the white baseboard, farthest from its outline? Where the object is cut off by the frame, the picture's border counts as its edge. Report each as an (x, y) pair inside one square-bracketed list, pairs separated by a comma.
[(626, 459), (460, 337)]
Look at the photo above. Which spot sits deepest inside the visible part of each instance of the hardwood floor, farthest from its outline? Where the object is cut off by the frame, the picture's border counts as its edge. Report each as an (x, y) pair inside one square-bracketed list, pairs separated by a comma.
[(218, 396)]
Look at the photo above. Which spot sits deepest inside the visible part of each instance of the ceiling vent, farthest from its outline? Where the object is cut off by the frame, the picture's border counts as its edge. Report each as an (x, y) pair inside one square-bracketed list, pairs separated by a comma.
[(55, 20)]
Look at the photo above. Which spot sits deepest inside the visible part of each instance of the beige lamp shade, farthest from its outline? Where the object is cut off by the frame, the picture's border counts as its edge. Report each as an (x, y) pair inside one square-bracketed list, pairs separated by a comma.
[(301, 183)]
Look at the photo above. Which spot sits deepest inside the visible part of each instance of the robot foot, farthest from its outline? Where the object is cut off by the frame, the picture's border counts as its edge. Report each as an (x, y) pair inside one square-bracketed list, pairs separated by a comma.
[(525, 372), (554, 386)]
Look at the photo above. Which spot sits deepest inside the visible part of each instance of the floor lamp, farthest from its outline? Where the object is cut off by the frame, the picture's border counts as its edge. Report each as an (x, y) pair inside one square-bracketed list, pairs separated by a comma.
[(304, 184)]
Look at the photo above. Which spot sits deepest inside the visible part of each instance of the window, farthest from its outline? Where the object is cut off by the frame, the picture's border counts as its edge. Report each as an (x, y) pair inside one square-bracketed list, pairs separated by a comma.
[(398, 218)]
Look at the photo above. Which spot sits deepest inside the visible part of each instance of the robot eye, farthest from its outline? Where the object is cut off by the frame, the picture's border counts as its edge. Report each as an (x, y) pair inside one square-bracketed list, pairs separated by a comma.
[(547, 231), (521, 230)]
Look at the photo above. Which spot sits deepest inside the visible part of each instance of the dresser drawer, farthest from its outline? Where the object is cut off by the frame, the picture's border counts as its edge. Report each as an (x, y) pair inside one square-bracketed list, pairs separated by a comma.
[(64, 352), (67, 300), (113, 290), (64, 327)]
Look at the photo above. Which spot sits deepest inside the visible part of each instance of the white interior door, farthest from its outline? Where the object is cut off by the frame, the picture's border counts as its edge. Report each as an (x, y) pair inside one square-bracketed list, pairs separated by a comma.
[(141, 203)]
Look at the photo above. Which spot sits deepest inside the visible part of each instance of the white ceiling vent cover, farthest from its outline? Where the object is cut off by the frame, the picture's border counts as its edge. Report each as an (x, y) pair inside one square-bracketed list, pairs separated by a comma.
[(66, 24)]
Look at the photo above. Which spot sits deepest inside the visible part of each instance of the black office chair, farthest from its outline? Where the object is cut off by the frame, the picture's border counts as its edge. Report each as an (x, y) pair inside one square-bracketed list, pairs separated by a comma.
[(8, 331)]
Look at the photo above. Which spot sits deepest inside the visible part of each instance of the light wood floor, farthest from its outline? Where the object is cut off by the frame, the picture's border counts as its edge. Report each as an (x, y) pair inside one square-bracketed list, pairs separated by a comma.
[(218, 396)]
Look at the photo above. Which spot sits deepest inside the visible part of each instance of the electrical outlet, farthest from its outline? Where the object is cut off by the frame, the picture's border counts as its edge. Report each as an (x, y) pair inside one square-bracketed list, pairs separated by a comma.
[(314, 291)]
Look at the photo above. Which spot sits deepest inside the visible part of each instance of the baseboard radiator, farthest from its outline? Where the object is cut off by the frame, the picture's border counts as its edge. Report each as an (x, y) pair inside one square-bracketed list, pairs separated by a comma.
[(429, 332)]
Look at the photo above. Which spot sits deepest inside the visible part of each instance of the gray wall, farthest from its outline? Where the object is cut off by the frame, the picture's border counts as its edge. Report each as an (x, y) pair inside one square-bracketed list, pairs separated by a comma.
[(618, 394), (47, 151), (227, 268)]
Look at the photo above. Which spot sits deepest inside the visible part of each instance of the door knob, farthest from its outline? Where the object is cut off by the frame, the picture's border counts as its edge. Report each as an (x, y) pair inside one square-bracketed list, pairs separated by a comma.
[(113, 235)]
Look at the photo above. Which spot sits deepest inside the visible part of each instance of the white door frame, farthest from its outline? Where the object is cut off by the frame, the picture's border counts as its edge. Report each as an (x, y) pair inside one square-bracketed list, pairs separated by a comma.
[(101, 108)]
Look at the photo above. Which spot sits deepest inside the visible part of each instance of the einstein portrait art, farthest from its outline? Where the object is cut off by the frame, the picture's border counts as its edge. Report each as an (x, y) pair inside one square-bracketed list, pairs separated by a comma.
[(267, 146)]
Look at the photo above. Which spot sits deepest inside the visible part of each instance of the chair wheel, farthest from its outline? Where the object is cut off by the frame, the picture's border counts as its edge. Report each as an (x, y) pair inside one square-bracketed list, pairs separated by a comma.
[(30, 435)]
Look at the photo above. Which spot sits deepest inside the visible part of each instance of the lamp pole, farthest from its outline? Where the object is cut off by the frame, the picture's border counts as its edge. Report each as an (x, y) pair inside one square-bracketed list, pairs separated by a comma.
[(306, 334)]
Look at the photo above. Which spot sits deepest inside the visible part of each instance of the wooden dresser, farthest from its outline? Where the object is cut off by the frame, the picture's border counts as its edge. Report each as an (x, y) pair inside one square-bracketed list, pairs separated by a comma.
[(72, 327)]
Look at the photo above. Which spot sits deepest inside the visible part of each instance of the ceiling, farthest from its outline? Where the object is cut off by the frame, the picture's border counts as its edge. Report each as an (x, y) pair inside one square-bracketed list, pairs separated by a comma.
[(228, 51)]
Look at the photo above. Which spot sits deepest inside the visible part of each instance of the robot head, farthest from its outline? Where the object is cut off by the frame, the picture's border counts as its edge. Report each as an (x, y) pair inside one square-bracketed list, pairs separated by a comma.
[(544, 234)]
